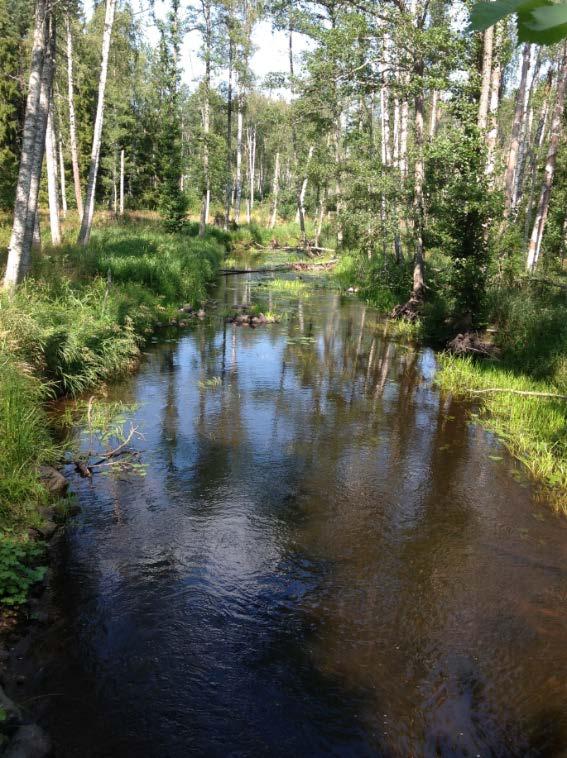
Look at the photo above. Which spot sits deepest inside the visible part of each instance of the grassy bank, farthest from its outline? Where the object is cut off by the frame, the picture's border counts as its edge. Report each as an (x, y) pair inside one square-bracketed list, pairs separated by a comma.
[(78, 321), (534, 429)]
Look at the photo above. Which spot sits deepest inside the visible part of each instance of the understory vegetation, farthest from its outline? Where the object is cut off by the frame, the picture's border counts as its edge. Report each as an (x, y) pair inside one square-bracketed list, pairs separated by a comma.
[(79, 320)]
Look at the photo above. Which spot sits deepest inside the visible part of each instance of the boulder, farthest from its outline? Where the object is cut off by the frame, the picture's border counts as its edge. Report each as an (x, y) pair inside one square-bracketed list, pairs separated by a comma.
[(53, 481), (30, 741), (13, 713)]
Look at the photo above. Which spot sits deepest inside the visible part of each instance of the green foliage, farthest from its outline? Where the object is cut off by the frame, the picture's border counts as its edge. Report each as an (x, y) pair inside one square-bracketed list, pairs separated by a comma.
[(23, 431), (68, 328), (531, 330), (539, 21), (14, 23), (533, 428), (18, 569)]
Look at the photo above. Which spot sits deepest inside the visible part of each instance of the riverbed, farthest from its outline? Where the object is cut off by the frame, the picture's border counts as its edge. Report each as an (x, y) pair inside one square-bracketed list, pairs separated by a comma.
[(321, 556)]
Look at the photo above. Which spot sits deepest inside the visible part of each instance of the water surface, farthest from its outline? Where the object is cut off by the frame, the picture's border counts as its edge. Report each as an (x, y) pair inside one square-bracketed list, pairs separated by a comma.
[(324, 558)]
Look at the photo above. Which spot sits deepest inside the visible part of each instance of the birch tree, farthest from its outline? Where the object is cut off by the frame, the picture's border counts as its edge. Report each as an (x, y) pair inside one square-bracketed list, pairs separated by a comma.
[(88, 213), (534, 247), (72, 119), (25, 208), (52, 179)]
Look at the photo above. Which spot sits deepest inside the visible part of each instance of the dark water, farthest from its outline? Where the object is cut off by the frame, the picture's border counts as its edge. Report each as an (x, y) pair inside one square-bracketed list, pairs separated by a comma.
[(324, 558)]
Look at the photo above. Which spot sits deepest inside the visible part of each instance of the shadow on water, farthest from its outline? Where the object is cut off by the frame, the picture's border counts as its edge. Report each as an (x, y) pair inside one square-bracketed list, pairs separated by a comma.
[(325, 558)]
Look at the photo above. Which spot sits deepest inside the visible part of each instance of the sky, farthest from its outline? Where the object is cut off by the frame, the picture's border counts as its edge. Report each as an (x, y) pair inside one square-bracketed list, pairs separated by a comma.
[(271, 48)]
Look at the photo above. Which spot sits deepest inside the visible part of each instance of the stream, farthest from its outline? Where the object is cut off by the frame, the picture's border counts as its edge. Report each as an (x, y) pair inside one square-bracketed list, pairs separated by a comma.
[(323, 556)]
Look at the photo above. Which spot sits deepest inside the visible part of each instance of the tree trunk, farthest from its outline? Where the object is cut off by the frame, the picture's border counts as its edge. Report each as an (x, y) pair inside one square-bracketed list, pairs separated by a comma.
[(511, 164), (72, 121), (525, 135), (434, 114), (206, 120), (539, 141), (62, 176), (251, 170), (239, 132), (229, 136), (396, 140), (493, 103), (403, 148), (486, 78), (52, 184), (39, 138), (275, 192), (385, 107), (320, 216), (87, 220), (300, 217), (419, 263), (555, 134), (16, 251), (122, 161)]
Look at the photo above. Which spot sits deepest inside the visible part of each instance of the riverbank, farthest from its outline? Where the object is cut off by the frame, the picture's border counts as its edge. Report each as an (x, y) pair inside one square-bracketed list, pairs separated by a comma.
[(77, 322)]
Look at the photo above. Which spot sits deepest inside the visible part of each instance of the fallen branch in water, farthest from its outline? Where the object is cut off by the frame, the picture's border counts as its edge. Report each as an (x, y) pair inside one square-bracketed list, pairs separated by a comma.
[(83, 469), (117, 450), (518, 392)]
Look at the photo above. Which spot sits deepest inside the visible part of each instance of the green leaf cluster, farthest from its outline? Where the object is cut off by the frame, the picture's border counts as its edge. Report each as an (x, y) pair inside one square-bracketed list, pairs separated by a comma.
[(541, 21)]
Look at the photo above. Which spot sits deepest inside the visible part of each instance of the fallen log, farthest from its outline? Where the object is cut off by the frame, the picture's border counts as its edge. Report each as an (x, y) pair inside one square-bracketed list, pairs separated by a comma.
[(299, 266), (527, 393)]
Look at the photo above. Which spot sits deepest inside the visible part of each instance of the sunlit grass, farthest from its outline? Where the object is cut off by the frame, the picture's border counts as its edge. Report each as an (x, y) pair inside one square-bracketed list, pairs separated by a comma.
[(534, 429)]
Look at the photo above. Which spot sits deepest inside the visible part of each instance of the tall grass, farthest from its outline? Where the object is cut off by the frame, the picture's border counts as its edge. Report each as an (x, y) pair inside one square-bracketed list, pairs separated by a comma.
[(533, 428), (77, 321)]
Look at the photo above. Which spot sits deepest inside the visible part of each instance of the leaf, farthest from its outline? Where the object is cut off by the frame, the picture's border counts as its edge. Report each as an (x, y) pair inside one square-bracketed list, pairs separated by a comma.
[(528, 28), (545, 24), (486, 14), (549, 16)]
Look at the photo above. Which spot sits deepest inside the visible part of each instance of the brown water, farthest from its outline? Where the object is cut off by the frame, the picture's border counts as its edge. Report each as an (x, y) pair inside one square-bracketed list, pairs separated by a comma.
[(324, 558)]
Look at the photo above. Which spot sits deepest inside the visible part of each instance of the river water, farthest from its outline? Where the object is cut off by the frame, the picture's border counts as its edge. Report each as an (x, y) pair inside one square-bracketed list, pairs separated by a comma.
[(324, 558)]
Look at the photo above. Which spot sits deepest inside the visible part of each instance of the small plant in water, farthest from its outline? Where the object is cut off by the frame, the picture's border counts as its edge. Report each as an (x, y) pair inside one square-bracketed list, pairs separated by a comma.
[(211, 383)]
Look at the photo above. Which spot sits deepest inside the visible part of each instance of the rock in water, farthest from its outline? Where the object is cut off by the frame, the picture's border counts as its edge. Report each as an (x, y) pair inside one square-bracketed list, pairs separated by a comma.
[(53, 481), (30, 741), (13, 713)]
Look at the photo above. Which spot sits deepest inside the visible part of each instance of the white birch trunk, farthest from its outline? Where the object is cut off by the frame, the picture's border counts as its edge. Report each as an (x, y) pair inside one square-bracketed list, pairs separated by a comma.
[(275, 192), (238, 182), (72, 121), (434, 114), (493, 103), (88, 213), (300, 215), (403, 149), (62, 177), (419, 264), (16, 252), (534, 247), (52, 184), (122, 161), (486, 78), (510, 173)]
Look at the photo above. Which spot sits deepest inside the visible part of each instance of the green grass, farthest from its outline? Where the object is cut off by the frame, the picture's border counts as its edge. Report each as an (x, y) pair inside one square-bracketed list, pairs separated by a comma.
[(533, 429), (76, 322)]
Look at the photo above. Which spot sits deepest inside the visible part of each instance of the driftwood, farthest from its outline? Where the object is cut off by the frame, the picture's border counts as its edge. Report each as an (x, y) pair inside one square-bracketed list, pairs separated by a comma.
[(408, 311), (471, 342), (299, 266), (83, 469), (527, 393), (117, 450)]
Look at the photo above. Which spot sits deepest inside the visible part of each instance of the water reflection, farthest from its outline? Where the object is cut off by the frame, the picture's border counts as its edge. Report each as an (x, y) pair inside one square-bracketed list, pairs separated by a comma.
[(323, 559)]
